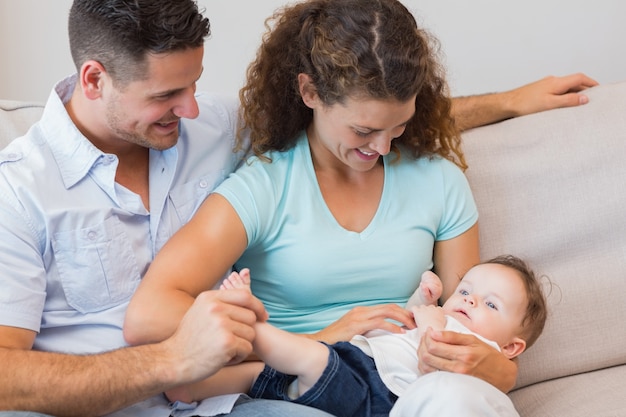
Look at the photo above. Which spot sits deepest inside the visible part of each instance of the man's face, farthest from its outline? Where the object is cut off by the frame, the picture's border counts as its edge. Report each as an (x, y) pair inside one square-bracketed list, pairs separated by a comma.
[(147, 112)]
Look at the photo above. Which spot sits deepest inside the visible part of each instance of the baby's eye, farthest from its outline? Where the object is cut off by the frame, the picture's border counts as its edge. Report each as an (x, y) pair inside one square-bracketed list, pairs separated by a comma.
[(491, 305), (463, 292)]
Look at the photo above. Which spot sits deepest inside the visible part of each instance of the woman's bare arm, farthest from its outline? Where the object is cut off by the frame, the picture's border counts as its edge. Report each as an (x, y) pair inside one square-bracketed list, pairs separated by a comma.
[(192, 261)]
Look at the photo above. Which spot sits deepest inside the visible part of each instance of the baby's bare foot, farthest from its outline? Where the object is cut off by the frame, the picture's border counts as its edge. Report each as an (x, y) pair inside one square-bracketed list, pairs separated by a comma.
[(237, 280)]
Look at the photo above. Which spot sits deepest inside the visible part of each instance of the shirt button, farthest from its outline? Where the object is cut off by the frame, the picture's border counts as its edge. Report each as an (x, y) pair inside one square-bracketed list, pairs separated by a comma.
[(203, 184), (92, 235)]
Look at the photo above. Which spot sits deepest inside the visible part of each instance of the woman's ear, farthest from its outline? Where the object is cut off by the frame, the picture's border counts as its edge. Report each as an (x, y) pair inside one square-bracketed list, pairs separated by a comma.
[(514, 348), (308, 92)]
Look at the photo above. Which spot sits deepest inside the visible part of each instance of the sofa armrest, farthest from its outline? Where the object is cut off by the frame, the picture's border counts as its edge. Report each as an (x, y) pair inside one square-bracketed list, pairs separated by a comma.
[(16, 117)]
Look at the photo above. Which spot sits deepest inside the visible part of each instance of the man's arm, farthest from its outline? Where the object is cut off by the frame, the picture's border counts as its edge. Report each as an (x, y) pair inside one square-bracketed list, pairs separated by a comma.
[(217, 330), (68, 385), (545, 94)]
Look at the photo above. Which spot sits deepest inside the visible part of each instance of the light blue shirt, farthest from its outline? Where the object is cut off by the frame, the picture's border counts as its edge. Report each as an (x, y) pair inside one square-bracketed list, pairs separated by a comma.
[(73, 243), (307, 269)]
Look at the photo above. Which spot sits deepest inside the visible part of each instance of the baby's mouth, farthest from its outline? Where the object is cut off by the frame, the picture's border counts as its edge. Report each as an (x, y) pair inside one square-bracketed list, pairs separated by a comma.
[(463, 312)]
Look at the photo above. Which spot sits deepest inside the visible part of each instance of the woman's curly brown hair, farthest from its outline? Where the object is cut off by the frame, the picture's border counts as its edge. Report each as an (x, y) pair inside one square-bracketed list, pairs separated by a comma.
[(350, 48)]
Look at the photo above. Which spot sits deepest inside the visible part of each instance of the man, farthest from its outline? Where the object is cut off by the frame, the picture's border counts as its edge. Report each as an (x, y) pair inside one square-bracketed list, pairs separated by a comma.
[(90, 195), (124, 154)]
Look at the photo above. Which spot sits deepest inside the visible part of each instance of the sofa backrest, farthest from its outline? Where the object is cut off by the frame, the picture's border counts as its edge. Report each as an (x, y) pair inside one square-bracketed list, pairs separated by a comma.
[(15, 119), (550, 187)]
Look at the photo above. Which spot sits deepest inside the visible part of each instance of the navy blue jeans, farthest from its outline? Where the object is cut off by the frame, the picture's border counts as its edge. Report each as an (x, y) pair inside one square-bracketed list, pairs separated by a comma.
[(349, 386)]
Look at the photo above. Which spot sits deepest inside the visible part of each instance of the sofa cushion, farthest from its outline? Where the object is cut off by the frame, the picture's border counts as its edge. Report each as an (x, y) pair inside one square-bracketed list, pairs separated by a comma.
[(599, 393), (550, 188), (15, 119)]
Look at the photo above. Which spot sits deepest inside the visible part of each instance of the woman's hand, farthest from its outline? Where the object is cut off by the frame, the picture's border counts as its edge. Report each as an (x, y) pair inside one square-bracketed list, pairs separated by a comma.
[(361, 320), (465, 354)]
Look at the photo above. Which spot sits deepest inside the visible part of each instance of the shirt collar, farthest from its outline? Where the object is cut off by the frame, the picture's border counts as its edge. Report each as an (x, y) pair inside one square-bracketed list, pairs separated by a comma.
[(74, 153)]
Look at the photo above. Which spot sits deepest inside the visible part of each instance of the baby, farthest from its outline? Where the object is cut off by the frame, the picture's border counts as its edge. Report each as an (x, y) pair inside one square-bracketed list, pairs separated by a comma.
[(501, 301)]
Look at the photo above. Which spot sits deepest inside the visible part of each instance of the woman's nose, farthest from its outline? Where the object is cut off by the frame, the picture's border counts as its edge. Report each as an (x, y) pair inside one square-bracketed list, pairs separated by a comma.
[(382, 143)]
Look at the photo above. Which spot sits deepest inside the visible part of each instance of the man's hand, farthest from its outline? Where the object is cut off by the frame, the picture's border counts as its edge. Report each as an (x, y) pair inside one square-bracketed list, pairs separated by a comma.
[(549, 93), (545, 94), (216, 331)]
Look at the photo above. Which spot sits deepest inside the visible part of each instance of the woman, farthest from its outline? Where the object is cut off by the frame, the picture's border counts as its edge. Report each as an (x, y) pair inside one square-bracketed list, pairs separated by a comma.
[(355, 189)]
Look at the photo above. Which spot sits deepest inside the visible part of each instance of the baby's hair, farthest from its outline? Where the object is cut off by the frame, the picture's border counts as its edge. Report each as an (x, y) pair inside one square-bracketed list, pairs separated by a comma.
[(536, 311)]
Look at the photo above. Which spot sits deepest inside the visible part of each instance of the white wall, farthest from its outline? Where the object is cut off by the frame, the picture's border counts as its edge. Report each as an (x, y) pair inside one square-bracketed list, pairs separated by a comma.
[(490, 45), (493, 45)]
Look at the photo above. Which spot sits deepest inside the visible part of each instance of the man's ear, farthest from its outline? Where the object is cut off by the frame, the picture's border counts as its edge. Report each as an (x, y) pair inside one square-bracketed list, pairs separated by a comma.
[(514, 348), (308, 92), (91, 78)]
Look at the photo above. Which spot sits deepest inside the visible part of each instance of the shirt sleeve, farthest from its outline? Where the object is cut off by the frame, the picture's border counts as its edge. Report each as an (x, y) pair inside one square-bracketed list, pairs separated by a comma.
[(22, 276), (254, 195), (459, 208)]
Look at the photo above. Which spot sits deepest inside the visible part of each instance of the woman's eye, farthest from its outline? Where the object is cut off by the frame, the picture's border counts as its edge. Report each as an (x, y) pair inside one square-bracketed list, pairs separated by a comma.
[(362, 134), (399, 131)]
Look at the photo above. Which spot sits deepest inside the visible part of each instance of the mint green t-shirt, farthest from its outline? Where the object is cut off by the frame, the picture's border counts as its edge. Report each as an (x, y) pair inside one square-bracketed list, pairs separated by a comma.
[(307, 269)]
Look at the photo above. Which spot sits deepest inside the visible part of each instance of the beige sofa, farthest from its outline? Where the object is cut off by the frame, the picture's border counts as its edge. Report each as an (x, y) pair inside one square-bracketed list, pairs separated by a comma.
[(550, 187)]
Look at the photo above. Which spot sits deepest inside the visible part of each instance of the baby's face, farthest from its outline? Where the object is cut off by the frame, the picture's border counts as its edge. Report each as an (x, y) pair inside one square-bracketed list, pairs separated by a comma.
[(491, 301)]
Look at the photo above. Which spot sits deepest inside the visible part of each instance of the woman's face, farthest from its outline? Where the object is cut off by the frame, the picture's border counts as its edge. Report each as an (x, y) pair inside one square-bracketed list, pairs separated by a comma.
[(357, 132)]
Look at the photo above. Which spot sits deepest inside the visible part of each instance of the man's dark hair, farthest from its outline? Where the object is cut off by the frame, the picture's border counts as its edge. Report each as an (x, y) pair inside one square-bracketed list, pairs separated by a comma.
[(121, 33)]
